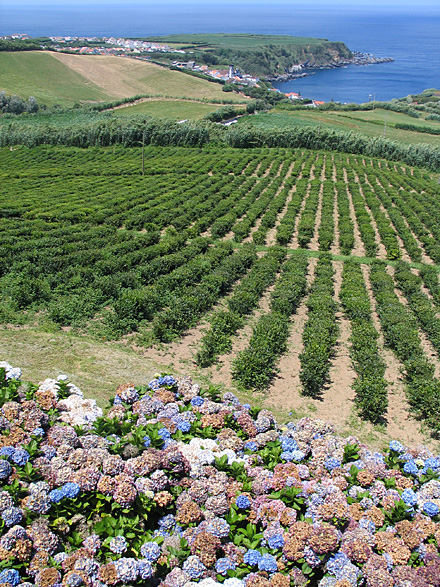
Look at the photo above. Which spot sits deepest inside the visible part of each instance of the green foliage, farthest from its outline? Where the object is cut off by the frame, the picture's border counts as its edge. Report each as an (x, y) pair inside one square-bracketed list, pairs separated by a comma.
[(401, 335), (321, 330), (370, 384)]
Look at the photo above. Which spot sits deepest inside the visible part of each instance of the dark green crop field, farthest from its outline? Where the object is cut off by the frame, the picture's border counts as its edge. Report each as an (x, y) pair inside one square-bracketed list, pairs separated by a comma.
[(295, 253)]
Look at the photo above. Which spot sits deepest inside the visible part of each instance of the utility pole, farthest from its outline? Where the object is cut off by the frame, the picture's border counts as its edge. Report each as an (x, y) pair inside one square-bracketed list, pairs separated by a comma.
[(143, 152)]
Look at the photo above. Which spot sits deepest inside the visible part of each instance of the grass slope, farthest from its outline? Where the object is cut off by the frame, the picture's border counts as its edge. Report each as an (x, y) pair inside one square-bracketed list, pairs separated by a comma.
[(49, 80), (167, 108), (65, 79), (369, 123), (243, 42)]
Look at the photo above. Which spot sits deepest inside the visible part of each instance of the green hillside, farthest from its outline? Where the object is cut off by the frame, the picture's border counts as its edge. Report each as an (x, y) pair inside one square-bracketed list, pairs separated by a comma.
[(258, 54), (39, 74)]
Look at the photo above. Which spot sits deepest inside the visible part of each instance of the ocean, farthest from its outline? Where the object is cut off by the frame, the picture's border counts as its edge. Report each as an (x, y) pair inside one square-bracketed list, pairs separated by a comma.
[(411, 37)]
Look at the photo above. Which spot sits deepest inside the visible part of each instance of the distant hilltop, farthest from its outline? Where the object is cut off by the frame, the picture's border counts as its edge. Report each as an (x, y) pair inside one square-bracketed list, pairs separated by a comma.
[(268, 56)]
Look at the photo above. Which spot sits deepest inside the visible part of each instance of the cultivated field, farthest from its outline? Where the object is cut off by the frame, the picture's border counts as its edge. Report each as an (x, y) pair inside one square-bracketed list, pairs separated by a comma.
[(307, 279), (368, 122), (61, 78)]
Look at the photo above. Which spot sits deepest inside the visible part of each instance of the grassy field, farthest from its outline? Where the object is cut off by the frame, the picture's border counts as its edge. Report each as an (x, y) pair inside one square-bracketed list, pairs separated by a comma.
[(370, 123), (166, 108), (60, 78), (49, 80), (242, 42)]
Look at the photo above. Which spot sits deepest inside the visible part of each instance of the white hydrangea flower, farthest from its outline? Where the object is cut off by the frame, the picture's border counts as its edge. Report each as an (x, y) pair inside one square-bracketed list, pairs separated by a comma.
[(11, 372), (78, 411)]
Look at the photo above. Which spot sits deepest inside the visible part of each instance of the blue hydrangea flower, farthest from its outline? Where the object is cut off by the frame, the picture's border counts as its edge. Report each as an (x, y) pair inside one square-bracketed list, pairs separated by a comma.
[(70, 490), (411, 468), (297, 455), (251, 445), (20, 457), (409, 497), (118, 545), (342, 568), (252, 557), (288, 443), (11, 576), (147, 441), (56, 495), (397, 446), (117, 401), (49, 452), (275, 541), (433, 463), (150, 551), (74, 580), (367, 525), (223, 565), (194, 567), (332, 463), (286, 456), (38, 432), (12, 516), (5, 469), (167, 522), (197, 401), (184, 426), (127, 569), (431, 509), (7, 452), (164, 433), (145, 569), (243, 502), (246, 406), (219, 527), (268, 563)]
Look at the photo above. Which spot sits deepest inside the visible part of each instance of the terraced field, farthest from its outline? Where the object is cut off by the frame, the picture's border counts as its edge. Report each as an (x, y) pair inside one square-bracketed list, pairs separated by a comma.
[(309, 279)]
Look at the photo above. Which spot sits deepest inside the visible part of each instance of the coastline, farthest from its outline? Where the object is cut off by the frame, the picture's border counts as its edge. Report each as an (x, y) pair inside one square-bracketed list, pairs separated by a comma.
[(358, 59)]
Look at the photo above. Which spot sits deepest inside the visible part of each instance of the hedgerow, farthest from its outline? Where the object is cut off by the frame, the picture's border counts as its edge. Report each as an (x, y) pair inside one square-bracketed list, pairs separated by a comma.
[(401, 335), (244, 299), (321, 330), (370, 384)]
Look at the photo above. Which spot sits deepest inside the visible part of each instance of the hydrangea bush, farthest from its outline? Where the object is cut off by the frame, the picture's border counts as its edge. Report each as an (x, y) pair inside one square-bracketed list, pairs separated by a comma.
[(181, 487)]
